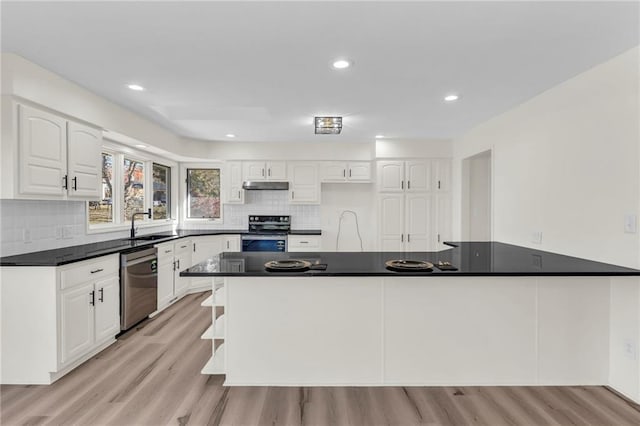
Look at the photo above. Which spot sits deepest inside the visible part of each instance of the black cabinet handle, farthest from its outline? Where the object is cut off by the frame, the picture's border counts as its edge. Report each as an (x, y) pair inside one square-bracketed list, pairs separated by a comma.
[(174, 265), (239, 195), (269, 171), (169, 251), (402, 238), (408, 184), (401, 184), (262, 172), (178, 264), (438, 184), (344, 173), (293, 195), (92, 302), (438, 237), (95, 271), (349, 172), (227, 245), (101, 298), (194, 247), (65, 183), (75, 183), (408, 238)]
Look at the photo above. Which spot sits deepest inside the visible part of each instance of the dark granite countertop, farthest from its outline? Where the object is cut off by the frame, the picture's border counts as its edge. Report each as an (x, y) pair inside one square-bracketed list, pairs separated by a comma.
[(305, 232), (471, 259), (65, 255)]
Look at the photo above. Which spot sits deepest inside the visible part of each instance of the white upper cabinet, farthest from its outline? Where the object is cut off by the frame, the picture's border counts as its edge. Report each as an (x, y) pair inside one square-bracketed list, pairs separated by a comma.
[(235, 193), (85, 161), (390, 176), (340, 171), (264, 170), (418, 176), (304, 186), (442, 174), (414, 176), (42, 142), (57, 158)]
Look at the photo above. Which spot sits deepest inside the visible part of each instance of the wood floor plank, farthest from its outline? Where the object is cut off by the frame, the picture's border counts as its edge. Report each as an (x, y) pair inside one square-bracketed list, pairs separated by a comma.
[(151, 376)]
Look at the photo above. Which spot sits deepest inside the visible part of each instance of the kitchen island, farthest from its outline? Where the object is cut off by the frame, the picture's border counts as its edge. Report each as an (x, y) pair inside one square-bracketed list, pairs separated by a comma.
[(508, 316)]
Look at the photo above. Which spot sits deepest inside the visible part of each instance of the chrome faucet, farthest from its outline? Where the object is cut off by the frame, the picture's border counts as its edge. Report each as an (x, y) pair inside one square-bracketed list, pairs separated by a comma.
[(133, 220)]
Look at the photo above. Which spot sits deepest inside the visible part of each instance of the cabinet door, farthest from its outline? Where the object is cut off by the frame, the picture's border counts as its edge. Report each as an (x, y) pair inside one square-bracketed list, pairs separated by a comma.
[(277, 170), (443, 220), (235, 194), (76, 322), (254, 170), (231, 243), (107, 309), (418, 176), (42, 151), (206, 247), (359, 171), (391, 209), (166, 272), (333, 171), (181, 284), (84, 149), (418, 222), (304, 187), (442, 174), (390, 176)]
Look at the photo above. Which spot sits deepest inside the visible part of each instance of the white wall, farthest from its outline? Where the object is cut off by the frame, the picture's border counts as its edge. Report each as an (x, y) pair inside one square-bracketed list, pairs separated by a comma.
[(567, 163), (412, 148)]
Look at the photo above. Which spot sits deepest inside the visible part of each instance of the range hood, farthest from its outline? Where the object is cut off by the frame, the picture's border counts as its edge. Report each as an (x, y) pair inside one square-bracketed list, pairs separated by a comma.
[(255, 185)]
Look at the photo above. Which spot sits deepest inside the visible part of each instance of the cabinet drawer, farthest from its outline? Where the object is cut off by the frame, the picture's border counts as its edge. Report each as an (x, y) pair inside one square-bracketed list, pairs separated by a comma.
[(183, 246), (165, 250), (94, 269), (304, 242)]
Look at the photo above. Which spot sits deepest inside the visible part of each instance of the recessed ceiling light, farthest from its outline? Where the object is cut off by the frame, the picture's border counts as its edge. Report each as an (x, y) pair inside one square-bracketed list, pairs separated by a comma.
[(341, 64), (230, 135), (451, 98), (140, 146), (135, 87), (379, 136)]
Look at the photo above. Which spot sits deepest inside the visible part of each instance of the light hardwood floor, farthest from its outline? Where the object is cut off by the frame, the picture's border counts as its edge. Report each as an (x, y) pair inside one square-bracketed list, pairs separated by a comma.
[(151, 376)]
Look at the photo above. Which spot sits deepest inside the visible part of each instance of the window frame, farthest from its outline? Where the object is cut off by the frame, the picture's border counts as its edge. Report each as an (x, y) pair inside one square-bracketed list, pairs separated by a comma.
[(184, 199), (119, 153), (168, 190)]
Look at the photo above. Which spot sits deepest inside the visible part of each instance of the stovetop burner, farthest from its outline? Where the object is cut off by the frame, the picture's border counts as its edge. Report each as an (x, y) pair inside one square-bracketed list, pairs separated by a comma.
[(409, 265), (287, 265)]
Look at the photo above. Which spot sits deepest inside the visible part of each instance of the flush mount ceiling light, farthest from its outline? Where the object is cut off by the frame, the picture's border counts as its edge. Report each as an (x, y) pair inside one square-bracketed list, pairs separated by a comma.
[(341, 64), (135, 87), (230, 135), (451, 98), (328, 125)]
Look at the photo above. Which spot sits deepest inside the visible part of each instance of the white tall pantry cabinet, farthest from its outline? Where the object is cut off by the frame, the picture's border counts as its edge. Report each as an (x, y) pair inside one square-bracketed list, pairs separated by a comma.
[(414, 204)]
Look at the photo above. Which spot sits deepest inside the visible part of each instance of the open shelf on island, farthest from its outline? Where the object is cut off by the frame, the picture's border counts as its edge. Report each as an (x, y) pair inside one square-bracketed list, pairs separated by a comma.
[(219, 297), (215, 365), (208, 301)]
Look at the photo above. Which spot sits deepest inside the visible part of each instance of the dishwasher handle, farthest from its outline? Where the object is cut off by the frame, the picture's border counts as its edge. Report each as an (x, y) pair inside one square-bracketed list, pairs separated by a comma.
[(141, 260)]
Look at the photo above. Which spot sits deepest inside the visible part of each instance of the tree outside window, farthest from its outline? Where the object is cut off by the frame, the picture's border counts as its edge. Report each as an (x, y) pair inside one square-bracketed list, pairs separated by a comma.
[(133, 188), (161, 192), (102, 211), (203, 193)]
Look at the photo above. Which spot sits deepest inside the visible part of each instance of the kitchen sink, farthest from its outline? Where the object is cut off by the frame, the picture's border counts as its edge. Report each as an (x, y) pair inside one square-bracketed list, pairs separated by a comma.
[(151, 237)]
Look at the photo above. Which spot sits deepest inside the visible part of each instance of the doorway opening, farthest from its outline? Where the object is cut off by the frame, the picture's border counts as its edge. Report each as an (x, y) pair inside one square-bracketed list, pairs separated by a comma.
[(477, 197)]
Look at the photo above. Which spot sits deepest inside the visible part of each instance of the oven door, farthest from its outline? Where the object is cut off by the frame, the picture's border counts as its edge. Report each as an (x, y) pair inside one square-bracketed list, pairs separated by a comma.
[(264, 243)]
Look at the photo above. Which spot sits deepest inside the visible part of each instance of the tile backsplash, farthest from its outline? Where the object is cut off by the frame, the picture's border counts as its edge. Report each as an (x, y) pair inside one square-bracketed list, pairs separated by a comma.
[(34, 225)]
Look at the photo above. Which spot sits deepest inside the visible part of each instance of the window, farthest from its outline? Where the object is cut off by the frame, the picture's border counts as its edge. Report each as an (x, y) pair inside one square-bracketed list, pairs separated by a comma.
[(203, 193), (133, 188), (102, 211), (161, 192)]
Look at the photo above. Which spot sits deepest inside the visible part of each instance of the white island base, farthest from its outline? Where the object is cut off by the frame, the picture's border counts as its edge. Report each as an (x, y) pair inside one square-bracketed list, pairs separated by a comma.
[(357, 331)]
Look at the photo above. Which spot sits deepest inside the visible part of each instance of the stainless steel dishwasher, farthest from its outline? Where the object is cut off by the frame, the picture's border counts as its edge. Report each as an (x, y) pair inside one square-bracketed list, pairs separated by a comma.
[(138, 286)]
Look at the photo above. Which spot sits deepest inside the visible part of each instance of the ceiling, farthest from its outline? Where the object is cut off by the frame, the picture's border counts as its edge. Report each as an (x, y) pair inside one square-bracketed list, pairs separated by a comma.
[(261, 70)]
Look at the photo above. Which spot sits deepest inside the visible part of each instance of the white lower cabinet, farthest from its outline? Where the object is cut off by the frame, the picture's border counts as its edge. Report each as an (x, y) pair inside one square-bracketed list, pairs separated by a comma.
[(173, 258), (298, 243), (90, 313), (55, 318)]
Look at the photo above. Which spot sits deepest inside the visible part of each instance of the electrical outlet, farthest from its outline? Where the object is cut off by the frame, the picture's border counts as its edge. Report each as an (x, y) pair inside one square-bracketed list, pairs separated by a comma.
[(536, 237), (630, 223), (630, 349), (26, 235)]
